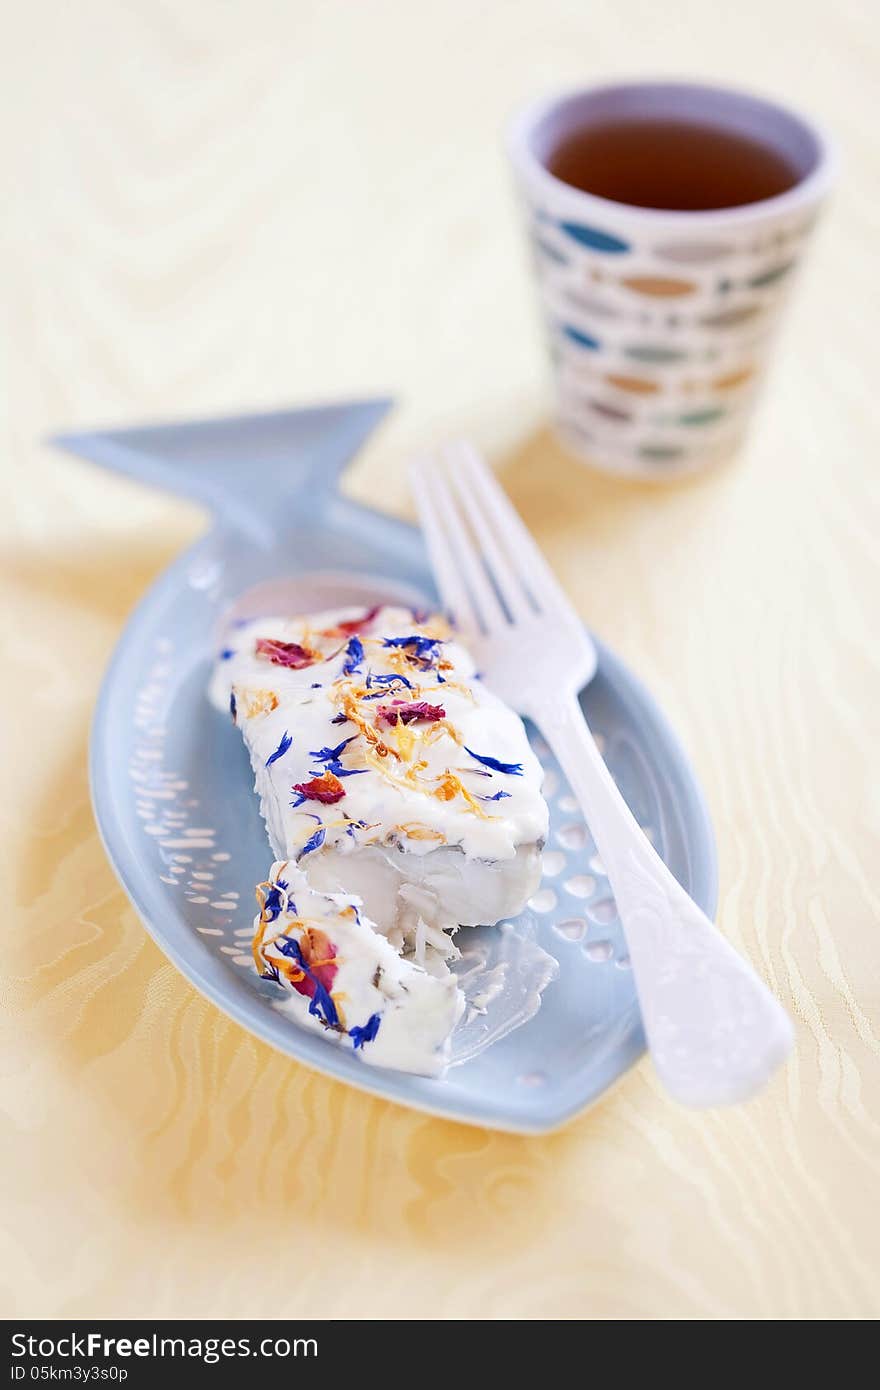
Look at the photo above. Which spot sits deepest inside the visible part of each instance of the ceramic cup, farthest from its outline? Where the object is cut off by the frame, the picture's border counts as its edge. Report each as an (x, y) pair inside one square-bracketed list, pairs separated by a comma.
[(660, 322)]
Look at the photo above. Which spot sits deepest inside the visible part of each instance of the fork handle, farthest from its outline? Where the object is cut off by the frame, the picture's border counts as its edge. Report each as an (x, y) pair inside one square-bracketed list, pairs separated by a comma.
[(714, 1030)]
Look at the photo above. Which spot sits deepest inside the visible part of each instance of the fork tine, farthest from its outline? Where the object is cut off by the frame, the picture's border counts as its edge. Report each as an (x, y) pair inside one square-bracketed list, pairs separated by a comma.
[(452, 590), (485, 609), (504, 574), (512, 535)]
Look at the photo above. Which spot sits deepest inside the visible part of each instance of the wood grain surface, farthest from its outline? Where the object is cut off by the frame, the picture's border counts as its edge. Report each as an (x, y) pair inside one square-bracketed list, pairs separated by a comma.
[(219, 206)]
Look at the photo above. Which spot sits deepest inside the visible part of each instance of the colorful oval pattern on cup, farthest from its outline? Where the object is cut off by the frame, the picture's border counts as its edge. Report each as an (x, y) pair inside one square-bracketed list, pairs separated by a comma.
[(769, 277), (702, 417), (649, 352), (693, 252), (731, 318), (657, 335), (610, 412), (635, 385), (659, 286), (583, 340), (594, 239), (660, 453), (730, 380)]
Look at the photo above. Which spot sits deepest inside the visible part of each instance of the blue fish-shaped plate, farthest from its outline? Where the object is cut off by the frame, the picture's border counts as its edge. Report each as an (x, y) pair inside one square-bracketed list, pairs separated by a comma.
[(172, 788)]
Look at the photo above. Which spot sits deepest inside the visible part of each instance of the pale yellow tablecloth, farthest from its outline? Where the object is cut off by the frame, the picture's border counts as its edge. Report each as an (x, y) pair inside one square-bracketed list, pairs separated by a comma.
[(215, 207)]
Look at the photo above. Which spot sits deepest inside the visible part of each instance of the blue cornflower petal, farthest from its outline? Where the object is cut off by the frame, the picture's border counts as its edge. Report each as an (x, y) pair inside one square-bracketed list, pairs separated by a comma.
[(329, 755), (272, 903), (422, 646), (322, 1005), (354, 655), (289, 947), (286, 741), (335, 766), (513, 769), (330, 758), (387, 680), (497, 797), (366, 1033), (315, 842)]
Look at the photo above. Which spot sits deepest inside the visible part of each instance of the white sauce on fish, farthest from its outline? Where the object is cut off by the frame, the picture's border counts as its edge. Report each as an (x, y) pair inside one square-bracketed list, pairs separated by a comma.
[(345, 980), (412, 785), (386, 770)]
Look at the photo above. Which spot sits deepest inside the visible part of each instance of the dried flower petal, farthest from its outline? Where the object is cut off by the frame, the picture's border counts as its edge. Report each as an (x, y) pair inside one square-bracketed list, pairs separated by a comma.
[(421, 646), (513, 769), (314, 843), (330, 755), (315, 955), (289, 654), (414, 831), (449, 786), (286, 741), (354, 655), (327, 789), (330, 758), (354, 625), (365, 1033), (385, 680), (273, 903), (259, 702), (408, 711)]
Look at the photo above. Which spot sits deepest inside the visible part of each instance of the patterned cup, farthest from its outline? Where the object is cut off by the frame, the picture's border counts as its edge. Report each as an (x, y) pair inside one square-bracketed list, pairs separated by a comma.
[(660, 322)]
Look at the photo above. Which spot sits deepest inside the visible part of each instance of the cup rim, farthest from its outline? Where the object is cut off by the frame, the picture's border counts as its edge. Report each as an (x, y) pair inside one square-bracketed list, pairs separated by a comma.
[(809, 190)]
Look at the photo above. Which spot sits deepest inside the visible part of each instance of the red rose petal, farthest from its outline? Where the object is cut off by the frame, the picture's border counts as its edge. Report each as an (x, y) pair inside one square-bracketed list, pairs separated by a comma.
[(318, 953), (408, 711), (353, 625), (326, 789), (289, 654)]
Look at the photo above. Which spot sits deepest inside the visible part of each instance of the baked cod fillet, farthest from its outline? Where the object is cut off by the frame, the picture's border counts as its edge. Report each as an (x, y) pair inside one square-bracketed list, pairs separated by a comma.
[(386, 770)]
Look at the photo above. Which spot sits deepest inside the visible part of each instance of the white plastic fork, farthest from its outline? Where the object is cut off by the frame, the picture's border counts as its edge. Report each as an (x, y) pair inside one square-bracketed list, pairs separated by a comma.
[(714, 1030)]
